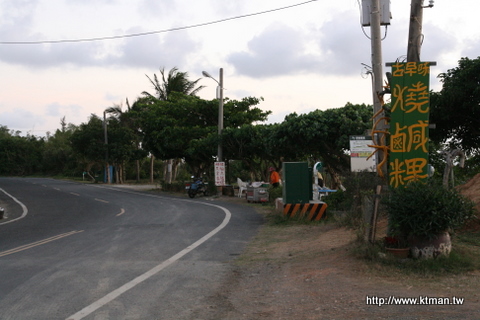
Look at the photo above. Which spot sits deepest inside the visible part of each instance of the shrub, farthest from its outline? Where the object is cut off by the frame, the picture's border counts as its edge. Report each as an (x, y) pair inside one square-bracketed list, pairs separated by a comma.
[(426, 209)]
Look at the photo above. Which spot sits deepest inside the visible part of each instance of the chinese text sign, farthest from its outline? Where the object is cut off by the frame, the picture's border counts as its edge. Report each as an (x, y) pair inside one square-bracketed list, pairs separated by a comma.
[(360, 153), (219, 173), (409, 123)]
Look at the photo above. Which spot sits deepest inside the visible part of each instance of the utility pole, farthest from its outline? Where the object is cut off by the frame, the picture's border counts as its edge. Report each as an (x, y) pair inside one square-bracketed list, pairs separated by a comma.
[(415, 31), (220, 115), (107, 171), (220, 125), (376, 43)]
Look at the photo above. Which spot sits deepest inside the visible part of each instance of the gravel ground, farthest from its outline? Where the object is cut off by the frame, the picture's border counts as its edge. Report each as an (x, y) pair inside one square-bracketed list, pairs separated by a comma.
[(309, 272)]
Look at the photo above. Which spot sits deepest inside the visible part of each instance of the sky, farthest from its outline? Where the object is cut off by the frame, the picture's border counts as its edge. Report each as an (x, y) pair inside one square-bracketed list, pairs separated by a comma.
[(309, 56)]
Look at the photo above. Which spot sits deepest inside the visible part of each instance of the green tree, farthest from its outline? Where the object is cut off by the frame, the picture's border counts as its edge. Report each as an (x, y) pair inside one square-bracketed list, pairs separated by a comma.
[(121, 147), (250, 144), (318, 135), (20, 155), (323, 135), (57, 153), (455, 110), (175, 81), (186, 126), (88, 143), (129, 122)]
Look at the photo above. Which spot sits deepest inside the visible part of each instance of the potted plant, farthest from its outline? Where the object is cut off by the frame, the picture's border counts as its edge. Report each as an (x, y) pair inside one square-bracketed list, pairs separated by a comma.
[(425, 212), (397, 246)]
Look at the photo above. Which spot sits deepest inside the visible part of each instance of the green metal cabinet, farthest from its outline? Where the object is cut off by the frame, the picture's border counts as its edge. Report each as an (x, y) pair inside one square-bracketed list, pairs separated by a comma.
[(297, 184)]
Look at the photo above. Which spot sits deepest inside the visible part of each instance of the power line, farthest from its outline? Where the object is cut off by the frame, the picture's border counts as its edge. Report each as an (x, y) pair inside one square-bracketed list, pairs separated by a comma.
[(151, 32)]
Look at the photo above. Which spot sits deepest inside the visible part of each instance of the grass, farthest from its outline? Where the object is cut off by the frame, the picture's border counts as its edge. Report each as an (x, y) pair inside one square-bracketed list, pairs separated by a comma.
[(464, 258)]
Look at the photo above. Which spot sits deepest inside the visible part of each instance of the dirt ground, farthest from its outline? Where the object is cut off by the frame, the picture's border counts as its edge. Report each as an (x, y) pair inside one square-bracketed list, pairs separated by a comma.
[(310, 272)]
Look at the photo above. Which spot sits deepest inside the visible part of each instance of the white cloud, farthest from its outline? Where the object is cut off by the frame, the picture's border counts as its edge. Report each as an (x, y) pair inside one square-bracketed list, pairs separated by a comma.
[(155, 51), (343, 45), (57, 110), (279, 50), (20, 118), (298, 59)]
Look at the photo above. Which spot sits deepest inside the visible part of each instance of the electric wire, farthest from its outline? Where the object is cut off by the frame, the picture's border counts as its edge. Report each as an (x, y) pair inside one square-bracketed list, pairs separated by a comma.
[(151, 32)]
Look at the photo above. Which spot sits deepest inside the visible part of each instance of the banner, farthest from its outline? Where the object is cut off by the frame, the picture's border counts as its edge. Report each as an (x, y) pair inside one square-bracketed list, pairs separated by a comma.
[(410, 107), (219, 173)]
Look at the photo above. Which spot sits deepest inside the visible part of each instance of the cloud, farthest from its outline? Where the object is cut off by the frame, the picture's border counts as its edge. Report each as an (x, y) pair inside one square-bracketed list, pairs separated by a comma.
[(344, 46), (155, 51), (57, 110), (337, 47), (156, 8), (279, 50), (16, 24), (436, 43), (21, 119), (145, 51), (471, 49)]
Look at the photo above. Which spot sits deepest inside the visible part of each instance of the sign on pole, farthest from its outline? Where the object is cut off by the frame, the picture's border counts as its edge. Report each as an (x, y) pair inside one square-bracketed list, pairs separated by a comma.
[(219, 173), (360, 153), (409, 122)]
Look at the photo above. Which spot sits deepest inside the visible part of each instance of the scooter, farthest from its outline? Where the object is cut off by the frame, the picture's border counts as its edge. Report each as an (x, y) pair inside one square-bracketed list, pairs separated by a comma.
[(197, 186)]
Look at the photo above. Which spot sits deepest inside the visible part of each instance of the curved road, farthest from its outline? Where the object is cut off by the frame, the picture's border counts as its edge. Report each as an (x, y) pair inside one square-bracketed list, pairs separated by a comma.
[(76, 251)]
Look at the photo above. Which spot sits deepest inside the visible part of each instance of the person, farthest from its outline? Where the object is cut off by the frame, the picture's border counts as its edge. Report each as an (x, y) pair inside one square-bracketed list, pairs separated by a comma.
[(274, 177)]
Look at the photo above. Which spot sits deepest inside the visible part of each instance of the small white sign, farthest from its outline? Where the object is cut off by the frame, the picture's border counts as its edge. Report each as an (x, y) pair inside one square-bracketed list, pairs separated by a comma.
[(219, 173), (359, 152)]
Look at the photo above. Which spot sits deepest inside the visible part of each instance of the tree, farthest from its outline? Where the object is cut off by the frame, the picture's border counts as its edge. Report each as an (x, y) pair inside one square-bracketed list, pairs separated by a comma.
[(318, 135), (129, 121), (20, 155), (455, 110), (175, 81), (88, 143), (186, 126), (323, 134), (121, 146), (57, 153), (250, 144)]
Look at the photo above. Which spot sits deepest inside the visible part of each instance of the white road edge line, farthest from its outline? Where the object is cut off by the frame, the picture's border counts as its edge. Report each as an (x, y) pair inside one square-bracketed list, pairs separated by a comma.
[(25, 210), (129, 285)]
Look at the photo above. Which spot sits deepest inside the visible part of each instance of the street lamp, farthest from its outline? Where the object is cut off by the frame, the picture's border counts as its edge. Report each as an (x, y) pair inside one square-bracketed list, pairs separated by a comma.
[(220, 109)]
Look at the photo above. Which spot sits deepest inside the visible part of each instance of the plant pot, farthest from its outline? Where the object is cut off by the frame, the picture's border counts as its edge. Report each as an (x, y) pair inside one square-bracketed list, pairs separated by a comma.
[(400, 253), (428, 248)]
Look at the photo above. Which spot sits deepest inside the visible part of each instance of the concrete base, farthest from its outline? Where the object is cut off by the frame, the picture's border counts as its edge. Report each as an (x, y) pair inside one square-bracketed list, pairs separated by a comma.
[(314, 210)]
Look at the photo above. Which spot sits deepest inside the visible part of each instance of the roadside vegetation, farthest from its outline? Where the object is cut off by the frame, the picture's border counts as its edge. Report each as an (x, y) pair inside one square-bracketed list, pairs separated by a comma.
[(166, 136)]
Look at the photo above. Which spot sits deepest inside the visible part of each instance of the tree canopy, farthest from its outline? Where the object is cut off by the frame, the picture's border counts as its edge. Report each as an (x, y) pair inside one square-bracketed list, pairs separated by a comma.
[(187, 127), (455, 110), (173, 123)]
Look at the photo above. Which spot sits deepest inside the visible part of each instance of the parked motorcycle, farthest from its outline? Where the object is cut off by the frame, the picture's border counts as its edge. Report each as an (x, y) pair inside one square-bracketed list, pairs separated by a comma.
[(197, 186)]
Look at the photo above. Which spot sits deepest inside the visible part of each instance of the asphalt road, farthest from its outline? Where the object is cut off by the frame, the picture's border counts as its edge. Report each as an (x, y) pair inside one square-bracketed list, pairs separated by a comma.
[(76, 251)]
